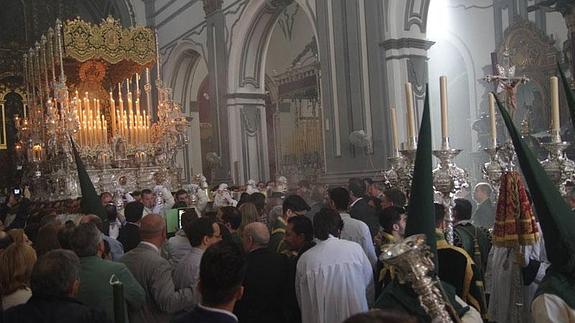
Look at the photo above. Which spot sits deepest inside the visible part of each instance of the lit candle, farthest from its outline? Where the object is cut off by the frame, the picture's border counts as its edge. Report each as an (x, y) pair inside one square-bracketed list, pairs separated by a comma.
[(104, 131), (394, 131), (113, 113), (121, 109), (130, 119), (493, 120), (145, 123), (443, 98), (556, 125), (25, 108), (409, 108)]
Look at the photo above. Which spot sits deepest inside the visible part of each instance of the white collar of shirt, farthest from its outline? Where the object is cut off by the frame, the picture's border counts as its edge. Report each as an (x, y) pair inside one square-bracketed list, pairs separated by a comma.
[(151, 245), (217, 310), (344, 215), (352, 204)]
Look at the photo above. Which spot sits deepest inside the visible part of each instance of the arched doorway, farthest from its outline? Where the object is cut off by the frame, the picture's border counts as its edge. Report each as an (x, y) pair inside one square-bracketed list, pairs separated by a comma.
[(188, 78), (273, 36)]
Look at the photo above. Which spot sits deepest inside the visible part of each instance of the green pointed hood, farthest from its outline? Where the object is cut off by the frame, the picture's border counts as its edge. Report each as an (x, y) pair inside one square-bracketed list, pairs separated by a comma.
[(568, 94), (90, 203), (556, 219), (421, 211)]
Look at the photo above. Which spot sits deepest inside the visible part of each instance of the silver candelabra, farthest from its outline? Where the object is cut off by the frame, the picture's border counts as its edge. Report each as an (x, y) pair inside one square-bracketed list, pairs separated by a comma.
[(448, 179), (557, 165)]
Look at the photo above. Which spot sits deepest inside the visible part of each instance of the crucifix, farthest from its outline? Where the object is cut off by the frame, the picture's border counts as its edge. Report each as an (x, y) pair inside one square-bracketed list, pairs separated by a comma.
[(506, 81)]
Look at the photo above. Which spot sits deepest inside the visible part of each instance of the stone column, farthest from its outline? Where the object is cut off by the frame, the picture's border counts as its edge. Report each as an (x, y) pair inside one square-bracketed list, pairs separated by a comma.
[(217, 71), (248, 137), (351, 87)]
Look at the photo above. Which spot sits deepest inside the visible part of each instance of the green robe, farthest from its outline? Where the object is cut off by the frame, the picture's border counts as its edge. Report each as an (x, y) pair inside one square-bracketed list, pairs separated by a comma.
[(475, 240), (276, 243), (402, 298), (458, 269)]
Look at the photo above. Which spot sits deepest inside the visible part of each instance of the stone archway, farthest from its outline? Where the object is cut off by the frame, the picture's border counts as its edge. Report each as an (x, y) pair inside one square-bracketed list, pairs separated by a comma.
[(246, 99)]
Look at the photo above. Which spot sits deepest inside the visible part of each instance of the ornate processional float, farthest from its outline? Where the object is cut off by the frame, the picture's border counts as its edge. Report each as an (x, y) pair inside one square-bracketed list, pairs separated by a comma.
[(92, 83)]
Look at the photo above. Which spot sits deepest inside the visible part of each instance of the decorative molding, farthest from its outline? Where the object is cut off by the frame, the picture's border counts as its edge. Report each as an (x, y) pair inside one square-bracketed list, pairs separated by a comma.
[(246, 96), (416, 16), (406, 56), (401, 43), (255, 43), (211, 6)]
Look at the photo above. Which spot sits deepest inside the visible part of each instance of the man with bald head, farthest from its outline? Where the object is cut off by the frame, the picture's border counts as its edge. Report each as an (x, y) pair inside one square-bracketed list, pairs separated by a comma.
[(154, 273), (265, 284)]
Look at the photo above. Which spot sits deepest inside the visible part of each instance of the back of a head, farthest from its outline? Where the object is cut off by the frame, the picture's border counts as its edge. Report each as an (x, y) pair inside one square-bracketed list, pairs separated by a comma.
[(258, 232), (17, 262), (189, 216), (390, 216), (133, 211), (340, 198), (65, 235), (485, 188), (381, 316), (111, 212), (302, 225), (295, 203), (222, 271), (198, 229), (326, 222), (249, 214), (152, 226), (85, 239), (356, 186), (259, 201), (462, 209), (47, 238), (439, 214), (232, 216), (55, 272), (396, 196), (5, 240), (94, 219)]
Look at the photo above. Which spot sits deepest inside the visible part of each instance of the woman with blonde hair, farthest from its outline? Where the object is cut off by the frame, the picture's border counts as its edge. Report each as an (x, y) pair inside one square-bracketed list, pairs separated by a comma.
[(249, 214), (17, 262), (19, 236)]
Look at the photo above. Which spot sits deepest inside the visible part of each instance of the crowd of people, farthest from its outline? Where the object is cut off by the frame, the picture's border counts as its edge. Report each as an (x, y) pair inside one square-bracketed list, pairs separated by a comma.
[(310, 255)]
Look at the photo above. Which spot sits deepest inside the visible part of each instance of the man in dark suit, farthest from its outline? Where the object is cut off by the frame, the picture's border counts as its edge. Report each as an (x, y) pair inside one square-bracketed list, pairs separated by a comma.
[(129, 234), (266, 280), (484, 215), (222, 272), (359, 208), (154, 273)]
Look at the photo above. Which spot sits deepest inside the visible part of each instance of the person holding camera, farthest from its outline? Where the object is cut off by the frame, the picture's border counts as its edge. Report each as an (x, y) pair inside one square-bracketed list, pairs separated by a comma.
[(14, 212)]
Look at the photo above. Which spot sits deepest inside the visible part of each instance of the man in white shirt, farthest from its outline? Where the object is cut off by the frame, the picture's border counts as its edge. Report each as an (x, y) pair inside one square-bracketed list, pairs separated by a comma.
[(152, 203), (353, 230), (334, 279)]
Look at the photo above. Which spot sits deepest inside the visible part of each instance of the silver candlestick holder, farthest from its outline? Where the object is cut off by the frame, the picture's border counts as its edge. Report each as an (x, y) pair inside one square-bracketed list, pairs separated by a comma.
[(557, 165), (405, 172), (493, 169), (448, 179), (392, 175)]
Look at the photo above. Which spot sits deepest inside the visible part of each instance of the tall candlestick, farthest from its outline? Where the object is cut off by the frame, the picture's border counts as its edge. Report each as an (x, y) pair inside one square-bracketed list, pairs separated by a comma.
[(409, 108), (556, 124), (130, 119), (113, 113), (25, 108), (493, 120), (394, 131), (443, 97)]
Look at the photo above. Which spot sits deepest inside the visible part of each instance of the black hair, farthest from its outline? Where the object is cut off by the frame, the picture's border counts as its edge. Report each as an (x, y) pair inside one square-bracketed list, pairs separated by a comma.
[(340, 198), (462, 209), (222, 271), (146, 191), (356, 186), (390, 216), (439, 213), (302, 225), (133, 211), (180, 192), (295, 203), (111, 212), (326, 222), (232, 216), (259, 201), (198, 229), (396, 196)]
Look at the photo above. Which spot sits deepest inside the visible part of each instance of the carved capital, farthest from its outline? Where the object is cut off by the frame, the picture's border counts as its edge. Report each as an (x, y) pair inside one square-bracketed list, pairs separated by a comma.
[(211, 6)]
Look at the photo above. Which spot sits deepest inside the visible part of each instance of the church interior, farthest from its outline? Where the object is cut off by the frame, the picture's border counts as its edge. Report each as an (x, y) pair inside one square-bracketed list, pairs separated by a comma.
[(440, 115)]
